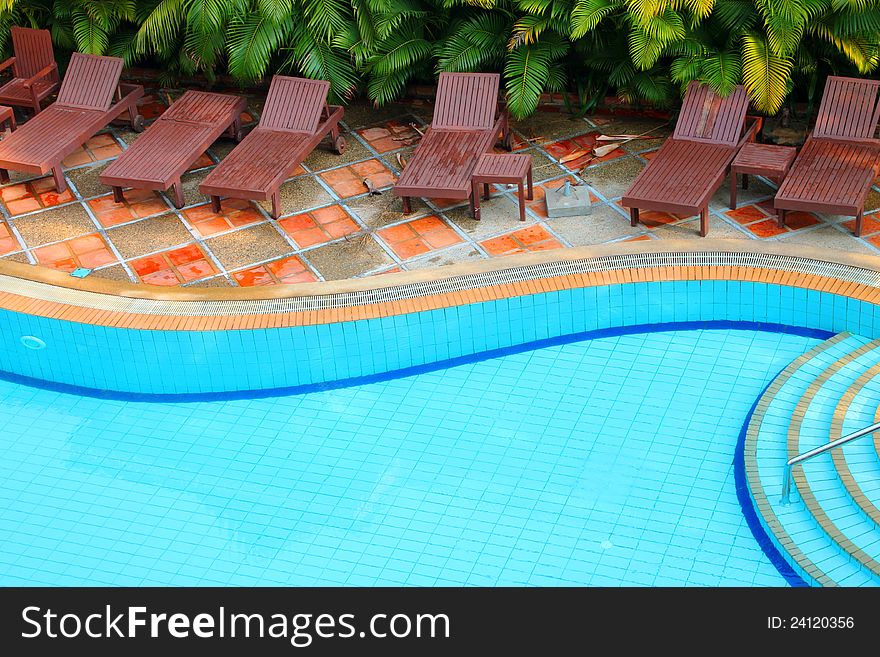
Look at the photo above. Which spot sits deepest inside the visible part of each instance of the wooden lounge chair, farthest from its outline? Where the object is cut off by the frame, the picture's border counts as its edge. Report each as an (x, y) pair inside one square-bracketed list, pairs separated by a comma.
[(174, 142), (90, 97), (295, 119), (34, 71), (691, 164), (467, 122), (835, 168)]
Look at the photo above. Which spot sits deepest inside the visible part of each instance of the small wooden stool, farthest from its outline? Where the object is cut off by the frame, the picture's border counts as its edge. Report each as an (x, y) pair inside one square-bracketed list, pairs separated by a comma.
[(7, 115), (761, 160), (503, 168)]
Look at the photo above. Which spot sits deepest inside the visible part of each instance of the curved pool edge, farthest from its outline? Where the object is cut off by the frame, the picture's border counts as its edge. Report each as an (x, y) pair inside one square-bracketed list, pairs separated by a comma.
[(111, 336), (747, 503)]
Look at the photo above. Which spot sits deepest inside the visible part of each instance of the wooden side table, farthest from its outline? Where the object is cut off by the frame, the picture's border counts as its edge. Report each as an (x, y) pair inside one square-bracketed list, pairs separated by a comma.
[(7, 115), (761, 160), (515, 169)]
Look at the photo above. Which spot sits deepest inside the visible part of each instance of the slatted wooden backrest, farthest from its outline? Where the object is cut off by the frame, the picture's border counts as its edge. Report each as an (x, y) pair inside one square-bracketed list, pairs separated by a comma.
[(33, 50), (294, 104), (708, 117), (466, 101), (850, 108), (90, 81)]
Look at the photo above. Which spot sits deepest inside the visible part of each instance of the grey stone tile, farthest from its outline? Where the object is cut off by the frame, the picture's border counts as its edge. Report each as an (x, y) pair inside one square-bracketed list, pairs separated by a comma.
[(149, 235), (113, 273), (450, 256), (384, 209), (603, 224), (248, 246), (349, 258), (55, 224), (85, 179), (300, 194), (612, 179), (497, 215), (828, 237)]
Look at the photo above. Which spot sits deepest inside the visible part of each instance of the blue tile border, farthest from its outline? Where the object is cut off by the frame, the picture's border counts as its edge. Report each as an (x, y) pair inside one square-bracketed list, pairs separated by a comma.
[(744, 496), (285, 391)]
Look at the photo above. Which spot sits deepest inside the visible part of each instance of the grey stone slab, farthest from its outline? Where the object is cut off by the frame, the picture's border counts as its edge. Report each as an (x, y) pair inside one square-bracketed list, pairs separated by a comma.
[(149, 235), (603, 224), (300, 194), (612, 179), (248, 246), (498, 215), (348, 258), (54, 225)]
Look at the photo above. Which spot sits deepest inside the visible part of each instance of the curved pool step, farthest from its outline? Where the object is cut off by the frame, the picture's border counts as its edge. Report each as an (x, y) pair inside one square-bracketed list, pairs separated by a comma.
[(797, 409), (857, 463), (817, 481)]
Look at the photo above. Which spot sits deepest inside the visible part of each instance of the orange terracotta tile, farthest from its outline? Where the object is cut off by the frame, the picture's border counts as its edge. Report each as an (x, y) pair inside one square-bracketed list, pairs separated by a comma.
[(302, 277), (502, 245), (165, 277), (308, 237), (191, 271), (22, 205), (51, 253), (80, 245), (12, 192), (185, 254), (149, 265), (532, 235), (395, 234), (78, 157), (410, 248), (348, 181), (637, 239), (253, 277), (49, 199), (797, 220), (8, 245), (870, 224), (746, 214), (767, 228), (233, 214), (287, 267), (106, 152), (97, 258)]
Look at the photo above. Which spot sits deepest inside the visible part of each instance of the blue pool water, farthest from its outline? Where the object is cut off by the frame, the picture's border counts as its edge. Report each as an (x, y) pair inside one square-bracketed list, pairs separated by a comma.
[(602, 462)]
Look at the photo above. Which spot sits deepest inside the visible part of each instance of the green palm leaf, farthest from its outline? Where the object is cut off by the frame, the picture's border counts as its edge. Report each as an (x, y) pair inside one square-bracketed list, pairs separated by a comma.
[(765, 74)]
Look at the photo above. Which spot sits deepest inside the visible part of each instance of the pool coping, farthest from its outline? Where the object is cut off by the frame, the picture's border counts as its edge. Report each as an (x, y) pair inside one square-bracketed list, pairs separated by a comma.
[(49, 293)]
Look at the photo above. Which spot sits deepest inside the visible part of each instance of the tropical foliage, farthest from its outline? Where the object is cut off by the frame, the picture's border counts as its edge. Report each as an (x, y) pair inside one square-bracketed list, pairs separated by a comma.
[(641, 50)]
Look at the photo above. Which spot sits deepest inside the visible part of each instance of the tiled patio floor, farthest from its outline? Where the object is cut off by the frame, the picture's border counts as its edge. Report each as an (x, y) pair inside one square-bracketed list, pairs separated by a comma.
[(332, 228)]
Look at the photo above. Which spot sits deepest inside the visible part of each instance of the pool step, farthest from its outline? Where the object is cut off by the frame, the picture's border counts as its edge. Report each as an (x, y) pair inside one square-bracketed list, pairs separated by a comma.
[(828, 533)]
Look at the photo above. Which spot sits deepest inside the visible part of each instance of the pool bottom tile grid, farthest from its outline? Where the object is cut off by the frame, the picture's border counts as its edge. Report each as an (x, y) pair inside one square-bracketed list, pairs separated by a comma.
[(602, 462)]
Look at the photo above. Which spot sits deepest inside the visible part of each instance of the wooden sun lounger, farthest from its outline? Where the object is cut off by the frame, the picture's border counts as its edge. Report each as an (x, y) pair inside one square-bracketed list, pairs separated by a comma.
[(691, 165), (91, 96), (467, 122), (34, 71), (174, 142), (295, 119), (835, 168)]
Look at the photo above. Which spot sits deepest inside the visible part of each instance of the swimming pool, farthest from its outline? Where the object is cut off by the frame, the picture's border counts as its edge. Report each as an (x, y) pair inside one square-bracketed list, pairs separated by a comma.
[(606, 461)]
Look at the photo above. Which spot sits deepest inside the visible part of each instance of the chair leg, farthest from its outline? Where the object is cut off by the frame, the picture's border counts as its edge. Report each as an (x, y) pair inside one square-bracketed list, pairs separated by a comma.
[(745, 181), (733, 190), (633, 216), (858, 231), (178, 194), (60, 182), (704, 222), (4, 176), (780, 218), (486, 191), (531, 194), (215, 204), (407, 207), (276, 204), (117, 195), (522, 203), (475, 201)]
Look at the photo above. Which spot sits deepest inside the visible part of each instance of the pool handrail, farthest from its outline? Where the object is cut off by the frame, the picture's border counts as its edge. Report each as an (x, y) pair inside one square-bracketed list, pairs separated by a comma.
[(816, 451)]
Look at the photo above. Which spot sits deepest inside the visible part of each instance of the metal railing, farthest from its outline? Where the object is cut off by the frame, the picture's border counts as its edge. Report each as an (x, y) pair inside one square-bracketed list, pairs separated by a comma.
[(806, 456)]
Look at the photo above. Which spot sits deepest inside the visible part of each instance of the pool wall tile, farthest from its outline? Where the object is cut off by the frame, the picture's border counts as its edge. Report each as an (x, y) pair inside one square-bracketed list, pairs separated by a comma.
[(169, 361)]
